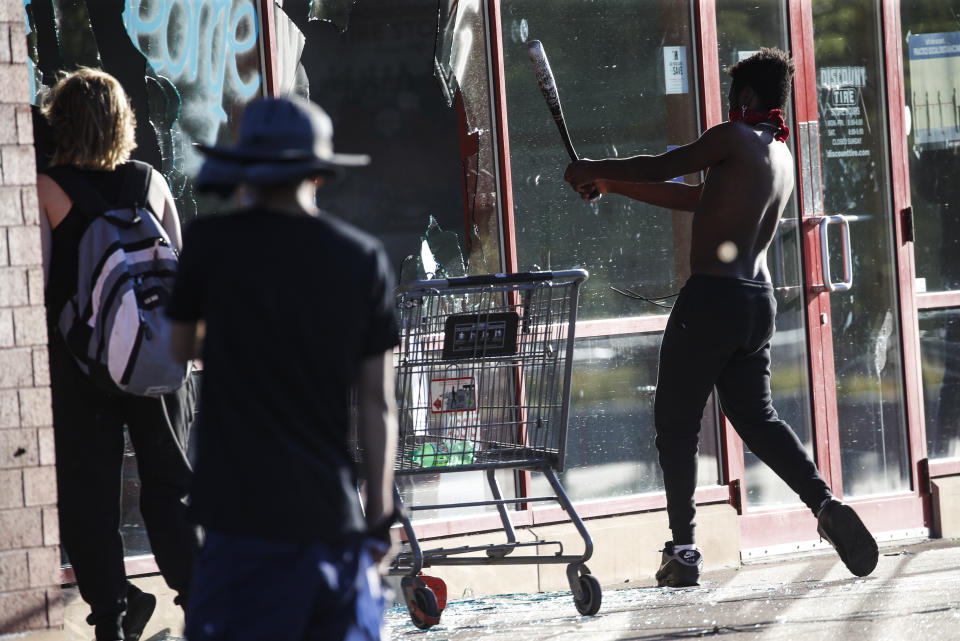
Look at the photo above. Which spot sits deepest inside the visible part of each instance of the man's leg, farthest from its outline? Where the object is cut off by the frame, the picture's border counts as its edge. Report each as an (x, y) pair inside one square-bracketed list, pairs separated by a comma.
[(691, 357), (745, 397), (158, 430), (691, 354), (744, 390), (89, 448), (351, 610), (254, 590)]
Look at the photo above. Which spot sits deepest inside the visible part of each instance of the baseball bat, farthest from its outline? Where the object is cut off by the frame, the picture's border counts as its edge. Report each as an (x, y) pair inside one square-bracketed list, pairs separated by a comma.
[(548, 86)]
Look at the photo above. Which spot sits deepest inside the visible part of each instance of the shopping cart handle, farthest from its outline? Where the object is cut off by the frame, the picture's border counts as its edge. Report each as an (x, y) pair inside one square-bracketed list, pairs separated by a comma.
[(578, 275)]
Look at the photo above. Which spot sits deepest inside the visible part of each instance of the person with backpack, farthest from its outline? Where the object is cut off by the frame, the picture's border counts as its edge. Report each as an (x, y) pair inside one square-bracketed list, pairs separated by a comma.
[(290, 309), (110, 236)]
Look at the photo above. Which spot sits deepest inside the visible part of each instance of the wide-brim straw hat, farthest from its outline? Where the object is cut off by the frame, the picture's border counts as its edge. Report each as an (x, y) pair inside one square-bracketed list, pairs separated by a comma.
[(280, 139)]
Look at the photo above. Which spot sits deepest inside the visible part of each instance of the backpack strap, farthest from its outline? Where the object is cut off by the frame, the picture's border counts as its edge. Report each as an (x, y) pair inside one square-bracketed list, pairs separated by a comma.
[(134, 186)]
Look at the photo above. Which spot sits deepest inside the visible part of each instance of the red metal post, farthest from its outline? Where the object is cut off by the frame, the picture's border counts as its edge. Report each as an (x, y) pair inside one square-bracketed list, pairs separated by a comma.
[(503, 143), (819, 320), (906, 272), (268, 40)]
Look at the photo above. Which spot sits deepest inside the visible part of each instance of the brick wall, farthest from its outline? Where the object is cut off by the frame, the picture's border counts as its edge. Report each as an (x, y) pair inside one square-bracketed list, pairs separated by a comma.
[(30, 596)]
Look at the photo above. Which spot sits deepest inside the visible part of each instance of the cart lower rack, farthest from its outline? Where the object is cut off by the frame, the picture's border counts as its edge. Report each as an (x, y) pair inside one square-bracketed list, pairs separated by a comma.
[(483, 383)]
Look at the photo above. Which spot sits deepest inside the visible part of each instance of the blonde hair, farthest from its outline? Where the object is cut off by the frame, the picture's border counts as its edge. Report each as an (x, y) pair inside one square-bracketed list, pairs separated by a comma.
[(92, 121)]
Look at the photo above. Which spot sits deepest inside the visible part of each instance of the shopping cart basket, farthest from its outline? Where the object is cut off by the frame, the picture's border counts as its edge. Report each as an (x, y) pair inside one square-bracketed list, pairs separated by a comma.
[(483, 383)]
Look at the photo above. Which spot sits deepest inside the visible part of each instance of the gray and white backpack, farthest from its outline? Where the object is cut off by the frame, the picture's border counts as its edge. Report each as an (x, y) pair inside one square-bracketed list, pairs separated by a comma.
[(114, 325)]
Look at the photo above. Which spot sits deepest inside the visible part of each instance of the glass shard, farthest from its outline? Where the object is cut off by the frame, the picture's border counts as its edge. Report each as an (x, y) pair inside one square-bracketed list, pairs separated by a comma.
[(439, 256), (291, 76), (460, 55), (336, 12)]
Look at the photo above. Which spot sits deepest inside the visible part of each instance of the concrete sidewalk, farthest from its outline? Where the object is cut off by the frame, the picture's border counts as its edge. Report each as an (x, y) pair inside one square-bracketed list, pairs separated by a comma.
[(913, 594)]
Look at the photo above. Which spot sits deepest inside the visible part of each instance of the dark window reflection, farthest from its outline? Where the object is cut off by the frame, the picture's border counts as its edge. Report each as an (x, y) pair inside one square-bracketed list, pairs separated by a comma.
[(940, 357), (376, 80)]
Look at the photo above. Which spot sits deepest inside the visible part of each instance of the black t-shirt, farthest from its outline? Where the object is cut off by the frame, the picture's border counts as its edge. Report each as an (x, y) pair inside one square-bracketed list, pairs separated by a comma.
[(292, 304)]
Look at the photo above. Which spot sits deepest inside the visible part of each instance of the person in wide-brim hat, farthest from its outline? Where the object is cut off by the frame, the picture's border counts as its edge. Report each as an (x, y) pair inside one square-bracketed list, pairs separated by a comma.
[(293, 312), (280, 140)]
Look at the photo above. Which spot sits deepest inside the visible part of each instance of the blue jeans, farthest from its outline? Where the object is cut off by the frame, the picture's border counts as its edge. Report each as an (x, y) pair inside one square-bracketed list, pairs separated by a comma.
[(248, 589)]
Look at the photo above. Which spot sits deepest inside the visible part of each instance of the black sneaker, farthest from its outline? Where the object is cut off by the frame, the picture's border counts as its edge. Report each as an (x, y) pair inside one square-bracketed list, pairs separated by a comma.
[(680, 569), (140, 606), (842, 528), (106, 628)]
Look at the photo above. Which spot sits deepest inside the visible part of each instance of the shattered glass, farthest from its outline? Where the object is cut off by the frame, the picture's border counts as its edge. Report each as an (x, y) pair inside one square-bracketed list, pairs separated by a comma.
[(202, 67), (613, 108), (336, 12), (291, 76), (33, 57), (446, 28), (460, 66), (439, 256), (188, 69), (460, 60), (377, 81)]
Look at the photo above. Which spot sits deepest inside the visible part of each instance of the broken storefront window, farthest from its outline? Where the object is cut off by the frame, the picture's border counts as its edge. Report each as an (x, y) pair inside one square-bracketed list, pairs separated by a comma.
[(187, 67)]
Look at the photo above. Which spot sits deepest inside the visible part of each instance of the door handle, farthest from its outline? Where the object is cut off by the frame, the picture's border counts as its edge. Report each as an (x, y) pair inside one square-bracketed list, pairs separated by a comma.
[(824, 223)]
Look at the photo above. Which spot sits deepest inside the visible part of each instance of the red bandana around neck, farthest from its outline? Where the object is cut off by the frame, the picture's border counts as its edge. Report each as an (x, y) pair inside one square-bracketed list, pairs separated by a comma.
[(751, 117)]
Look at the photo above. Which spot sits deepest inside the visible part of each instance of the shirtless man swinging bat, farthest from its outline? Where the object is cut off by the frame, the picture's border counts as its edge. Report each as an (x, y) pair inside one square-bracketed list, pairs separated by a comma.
[(719, 330)]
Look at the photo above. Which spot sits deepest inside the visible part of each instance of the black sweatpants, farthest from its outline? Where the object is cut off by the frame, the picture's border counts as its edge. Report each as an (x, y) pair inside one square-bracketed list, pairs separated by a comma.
[(88, 432), (718, 335)]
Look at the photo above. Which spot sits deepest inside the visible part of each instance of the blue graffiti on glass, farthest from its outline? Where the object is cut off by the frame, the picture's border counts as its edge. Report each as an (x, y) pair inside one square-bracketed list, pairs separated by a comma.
[(198, 42)]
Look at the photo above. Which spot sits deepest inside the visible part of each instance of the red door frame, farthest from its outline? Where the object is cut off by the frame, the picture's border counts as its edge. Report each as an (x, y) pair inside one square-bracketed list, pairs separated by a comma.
[(906, 269)]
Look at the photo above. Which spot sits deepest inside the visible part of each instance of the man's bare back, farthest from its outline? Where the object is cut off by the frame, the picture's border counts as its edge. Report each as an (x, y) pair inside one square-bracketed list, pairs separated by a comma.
[(740, 205), (736, 210)]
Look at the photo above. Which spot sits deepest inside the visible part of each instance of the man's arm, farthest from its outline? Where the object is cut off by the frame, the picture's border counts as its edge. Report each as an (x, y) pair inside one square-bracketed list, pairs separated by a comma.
[(161, 200), (377, 433), (670, 195), (54, 207), (708, 150), (186, 340)]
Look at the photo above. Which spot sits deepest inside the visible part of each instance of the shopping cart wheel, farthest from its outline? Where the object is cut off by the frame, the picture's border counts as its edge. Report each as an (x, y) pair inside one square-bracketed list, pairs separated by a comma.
[(588, 603), (424, 611), (421, 601)]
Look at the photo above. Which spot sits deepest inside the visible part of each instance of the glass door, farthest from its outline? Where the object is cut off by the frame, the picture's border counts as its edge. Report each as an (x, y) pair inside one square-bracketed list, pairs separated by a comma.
[(858, 223), (839, 376)]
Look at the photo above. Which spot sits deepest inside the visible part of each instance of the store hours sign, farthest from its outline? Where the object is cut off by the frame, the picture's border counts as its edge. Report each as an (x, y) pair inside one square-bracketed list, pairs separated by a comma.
[(841, 105)]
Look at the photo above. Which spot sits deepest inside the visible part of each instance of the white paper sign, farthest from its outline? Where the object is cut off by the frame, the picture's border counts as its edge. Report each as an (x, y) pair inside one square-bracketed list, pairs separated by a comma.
[(675, 69), (453, 395)]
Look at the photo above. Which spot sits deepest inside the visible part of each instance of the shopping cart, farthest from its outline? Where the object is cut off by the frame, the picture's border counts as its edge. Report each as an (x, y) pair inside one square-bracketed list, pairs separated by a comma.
[(483, 381)]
